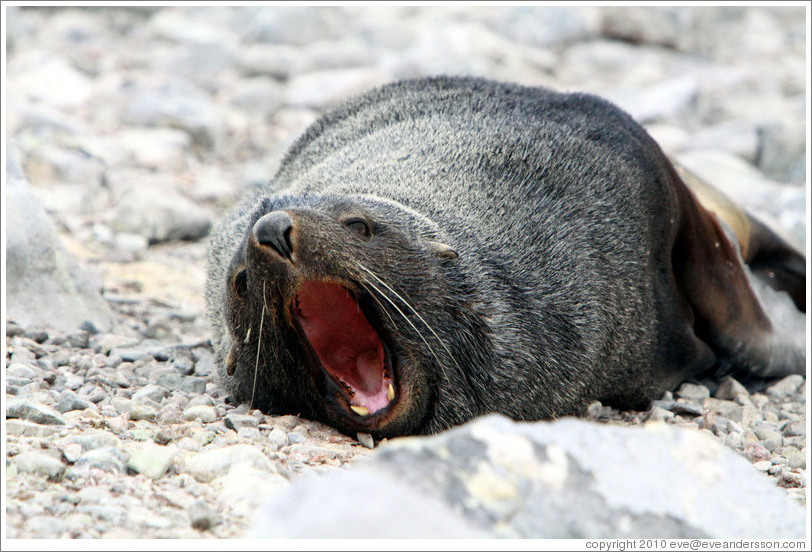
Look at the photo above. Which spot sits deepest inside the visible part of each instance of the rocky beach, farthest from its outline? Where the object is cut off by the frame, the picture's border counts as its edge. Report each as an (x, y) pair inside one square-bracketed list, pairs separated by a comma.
[(132, 130)]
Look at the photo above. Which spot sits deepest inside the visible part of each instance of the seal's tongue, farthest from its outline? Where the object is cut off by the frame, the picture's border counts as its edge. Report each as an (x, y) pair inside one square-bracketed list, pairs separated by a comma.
[(345, 342)]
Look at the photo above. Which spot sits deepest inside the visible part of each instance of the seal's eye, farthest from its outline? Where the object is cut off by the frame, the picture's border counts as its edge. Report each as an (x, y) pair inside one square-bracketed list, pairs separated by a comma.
[(359, 226), (241, 283)]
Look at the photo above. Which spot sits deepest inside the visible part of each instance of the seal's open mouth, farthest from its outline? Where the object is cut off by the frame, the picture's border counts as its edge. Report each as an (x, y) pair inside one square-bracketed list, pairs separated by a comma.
[(348, 347)]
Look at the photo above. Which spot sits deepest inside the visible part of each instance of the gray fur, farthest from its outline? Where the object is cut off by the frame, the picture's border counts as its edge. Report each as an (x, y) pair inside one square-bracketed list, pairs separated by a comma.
[(561, 210)]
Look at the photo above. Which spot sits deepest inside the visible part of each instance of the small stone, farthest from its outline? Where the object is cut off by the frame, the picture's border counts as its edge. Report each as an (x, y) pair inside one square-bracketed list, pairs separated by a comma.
[(13, 329), (78, 339), (791, 479), (29, 429), (693, 392), (763, 465), (207, 414), (237, 421), (287, 422), (119, 379), (94, 438), (152, 460), (366, 439), (249, 433), (296, 438), (796, 428), (107, 459), (657, 414), (729, 389), (142, 412), (785, 386), (277, 438), (38, 463), (46, 527), (680, 407), (21, 370), (69, 401), (744, 415), (756, 452), (125, 406), (152, 392), (797, 461), (593, 411), (71, 452), (33, 411), (202, 516), (759, 400), (772, 440), (734, 441), (210, 465), (131, 354), (184, 365), (170, 414), (70, 381), (201, 400)]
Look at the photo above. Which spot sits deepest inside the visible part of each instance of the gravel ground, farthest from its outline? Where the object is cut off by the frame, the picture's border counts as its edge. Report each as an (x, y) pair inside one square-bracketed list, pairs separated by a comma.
[(137, 128)]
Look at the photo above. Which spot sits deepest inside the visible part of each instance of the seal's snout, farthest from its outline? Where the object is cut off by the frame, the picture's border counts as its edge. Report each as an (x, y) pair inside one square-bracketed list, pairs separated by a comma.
[(273, 230)]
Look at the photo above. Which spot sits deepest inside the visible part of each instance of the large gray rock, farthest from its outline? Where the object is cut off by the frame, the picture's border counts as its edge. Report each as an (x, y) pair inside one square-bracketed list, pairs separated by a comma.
[(565, 479), (45, 286), (160, 215)]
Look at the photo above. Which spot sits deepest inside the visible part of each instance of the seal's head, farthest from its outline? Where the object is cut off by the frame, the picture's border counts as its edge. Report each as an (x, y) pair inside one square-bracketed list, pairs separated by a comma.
[(325, 319)]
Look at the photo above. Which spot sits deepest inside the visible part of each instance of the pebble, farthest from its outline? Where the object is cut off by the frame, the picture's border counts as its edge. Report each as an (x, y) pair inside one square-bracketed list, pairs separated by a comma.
[(38, 463), (202, 516), (108, 459), (744, 415), (206, 414), (277, 438), (680, 407), (91, 439), (762, 465), (33, 412), (22, 371), (729, 389), (29, 429), (142, 412), (366, 440), (209, 465), (152, 460), (69, 400), (237, 421), (188, 384), (693, 392), (785, 386), (756, 452), (151, 392)]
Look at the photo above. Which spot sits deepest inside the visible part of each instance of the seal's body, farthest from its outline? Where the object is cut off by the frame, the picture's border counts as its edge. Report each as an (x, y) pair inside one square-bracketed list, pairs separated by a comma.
[(443, 248)]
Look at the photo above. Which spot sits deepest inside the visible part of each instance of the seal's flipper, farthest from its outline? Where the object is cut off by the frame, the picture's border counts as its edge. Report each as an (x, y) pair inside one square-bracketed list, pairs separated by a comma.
[(770, 257), (730, 302)]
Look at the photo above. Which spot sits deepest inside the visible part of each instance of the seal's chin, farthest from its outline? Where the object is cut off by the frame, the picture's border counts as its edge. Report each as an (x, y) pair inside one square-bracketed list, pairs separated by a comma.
[(347, 346)]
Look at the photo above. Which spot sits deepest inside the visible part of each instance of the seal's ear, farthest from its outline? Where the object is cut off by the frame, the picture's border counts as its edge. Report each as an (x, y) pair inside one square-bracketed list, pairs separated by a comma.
[(441, 250)]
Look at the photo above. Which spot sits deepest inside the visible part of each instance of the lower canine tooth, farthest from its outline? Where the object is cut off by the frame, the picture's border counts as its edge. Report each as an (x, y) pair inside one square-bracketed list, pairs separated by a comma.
[(390, 393), (360, 410)]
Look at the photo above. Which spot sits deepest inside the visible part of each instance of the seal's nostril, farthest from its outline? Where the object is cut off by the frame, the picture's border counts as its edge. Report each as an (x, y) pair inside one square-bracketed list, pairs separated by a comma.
[(273, 230)]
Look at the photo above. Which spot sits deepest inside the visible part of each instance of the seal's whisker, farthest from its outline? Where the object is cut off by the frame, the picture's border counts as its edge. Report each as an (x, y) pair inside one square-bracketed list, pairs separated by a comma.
[(386, 312), (409, 321), (259, 347), (406, 318)]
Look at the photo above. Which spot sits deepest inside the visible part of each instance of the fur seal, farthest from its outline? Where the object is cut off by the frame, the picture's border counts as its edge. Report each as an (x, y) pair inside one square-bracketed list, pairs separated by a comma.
[(442, 248)]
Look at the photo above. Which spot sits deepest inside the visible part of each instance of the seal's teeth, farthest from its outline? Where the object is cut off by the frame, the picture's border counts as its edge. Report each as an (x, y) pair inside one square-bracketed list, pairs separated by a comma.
[(360, 410), (390, 393)]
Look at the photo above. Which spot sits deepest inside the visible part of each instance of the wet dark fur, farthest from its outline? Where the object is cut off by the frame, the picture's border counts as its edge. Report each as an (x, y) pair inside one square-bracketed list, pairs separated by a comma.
[(565, 216)]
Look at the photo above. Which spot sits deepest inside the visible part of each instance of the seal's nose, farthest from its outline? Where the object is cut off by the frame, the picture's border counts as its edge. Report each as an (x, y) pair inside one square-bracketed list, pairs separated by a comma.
[(273, 230)]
